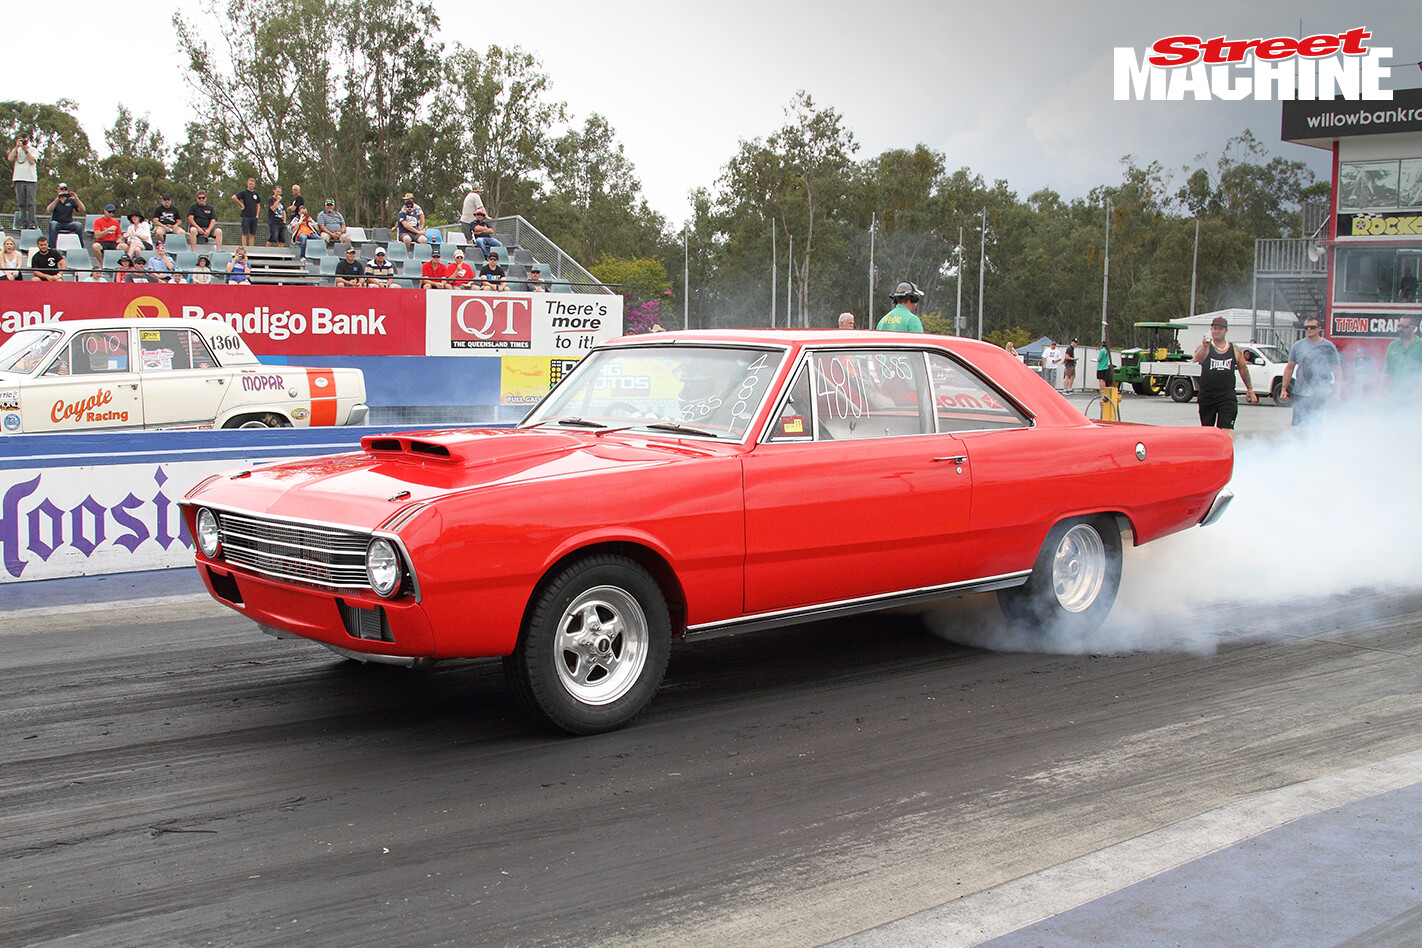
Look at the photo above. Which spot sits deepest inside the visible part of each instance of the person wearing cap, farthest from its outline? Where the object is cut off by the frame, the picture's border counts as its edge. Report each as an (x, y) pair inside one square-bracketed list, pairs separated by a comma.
[(160, 265), (380, 271), (904, 316), (410, 222), (137, 236), (166, 219), (350, 272), (61, 212), (250, 202), (276, 219), (331, 225), (1219, 360), (472, 202), (483, 231), (460, 274), (108, 231), (202, 222), (202, 273), (491, 275), (1069, 377), (534, 283), (434, 275)]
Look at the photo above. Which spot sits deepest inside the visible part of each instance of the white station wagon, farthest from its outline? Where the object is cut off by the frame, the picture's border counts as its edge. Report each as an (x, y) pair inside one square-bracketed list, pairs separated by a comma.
[(92, 374)]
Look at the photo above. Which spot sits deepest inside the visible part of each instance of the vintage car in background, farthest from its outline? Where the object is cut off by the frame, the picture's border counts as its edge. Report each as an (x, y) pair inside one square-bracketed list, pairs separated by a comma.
[(102, 374), (696, 484)]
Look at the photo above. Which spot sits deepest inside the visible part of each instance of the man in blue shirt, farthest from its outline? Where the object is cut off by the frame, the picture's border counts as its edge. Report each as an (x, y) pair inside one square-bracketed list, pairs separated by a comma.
[(161, 265), (1317, 362)]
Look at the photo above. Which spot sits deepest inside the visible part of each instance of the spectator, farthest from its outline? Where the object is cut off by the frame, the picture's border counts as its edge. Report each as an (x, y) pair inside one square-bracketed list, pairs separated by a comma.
[(138, 237), (46, 264), (166, 220), (472, 202), (460, 274), (904, 316), (410, 223), (238, 269), (331, 225), (276, 219), (12, 262), (846, 320), (95, 275), (26, 178), (484, 232), (161, 265), (349, 272), (491, 275), (535, 284), (202, 223), (380, 272), (138, 274), (124, 273), (302, 229), (202, 273), (249, 201), (298, 203), (108, 231), (1052, 359), (61, 214), (433, 274)]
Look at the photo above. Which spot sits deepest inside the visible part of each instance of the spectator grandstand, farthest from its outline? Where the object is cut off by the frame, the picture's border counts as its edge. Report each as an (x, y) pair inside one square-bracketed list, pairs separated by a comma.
[(524, 248)]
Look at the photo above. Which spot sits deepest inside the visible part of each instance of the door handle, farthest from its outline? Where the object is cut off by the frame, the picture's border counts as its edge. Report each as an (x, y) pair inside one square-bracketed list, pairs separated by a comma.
[(954, 459), (218, 381)]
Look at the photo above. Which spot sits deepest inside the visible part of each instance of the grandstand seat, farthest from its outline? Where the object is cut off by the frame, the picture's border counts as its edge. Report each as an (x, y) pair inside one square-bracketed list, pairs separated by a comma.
[(219, 266), (28, 238), (522, 256), (328, 263), (408, 283), (421, 251), (67, 241), (507, 240), (185, 260), (176, 243), (381, 235), (356, 234), (455, 238), (559, 286), (76, 258), (89, 222), (316, 247), (395, 251), (111, 258)]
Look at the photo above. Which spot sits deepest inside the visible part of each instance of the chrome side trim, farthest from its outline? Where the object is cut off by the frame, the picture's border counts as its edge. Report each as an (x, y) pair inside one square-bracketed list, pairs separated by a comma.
[(1217, 509), (849, 607)]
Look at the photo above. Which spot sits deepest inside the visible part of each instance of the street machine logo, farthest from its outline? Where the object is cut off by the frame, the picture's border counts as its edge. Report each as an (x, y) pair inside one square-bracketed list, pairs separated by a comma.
[(1281, 67)]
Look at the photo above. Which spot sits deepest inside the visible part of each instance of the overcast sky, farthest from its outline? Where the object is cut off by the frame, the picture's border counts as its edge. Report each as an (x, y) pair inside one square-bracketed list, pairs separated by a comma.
[(1011, 89)]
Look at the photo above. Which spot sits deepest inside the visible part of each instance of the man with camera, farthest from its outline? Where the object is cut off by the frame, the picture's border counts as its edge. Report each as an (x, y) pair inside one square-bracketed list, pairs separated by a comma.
[(61, 215), (26, 178)]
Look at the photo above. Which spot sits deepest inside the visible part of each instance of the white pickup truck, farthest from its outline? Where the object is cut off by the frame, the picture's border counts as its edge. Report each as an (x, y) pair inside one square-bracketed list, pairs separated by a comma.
[(1266, 372), (102, 374)]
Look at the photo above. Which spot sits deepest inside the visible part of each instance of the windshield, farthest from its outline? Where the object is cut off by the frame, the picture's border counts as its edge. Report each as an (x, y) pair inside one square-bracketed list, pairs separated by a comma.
[(697, 391), (25, 350), (1273, 353)]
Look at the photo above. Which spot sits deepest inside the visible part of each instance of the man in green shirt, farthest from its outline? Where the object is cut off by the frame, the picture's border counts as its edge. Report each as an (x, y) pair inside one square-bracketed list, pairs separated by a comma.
[(904, 316), (1404, 362)]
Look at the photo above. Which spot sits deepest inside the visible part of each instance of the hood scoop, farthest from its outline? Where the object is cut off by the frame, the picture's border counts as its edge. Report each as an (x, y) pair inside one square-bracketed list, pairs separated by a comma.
[(468, 447)]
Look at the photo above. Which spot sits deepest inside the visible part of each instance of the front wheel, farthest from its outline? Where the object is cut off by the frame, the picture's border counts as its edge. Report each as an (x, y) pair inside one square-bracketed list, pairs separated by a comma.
[(1073, 582), (595, 646), (1182, 389), (1276, 392)]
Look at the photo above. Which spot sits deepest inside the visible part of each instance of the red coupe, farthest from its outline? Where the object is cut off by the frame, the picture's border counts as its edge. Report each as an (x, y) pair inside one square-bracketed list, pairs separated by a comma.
[(703, 483)]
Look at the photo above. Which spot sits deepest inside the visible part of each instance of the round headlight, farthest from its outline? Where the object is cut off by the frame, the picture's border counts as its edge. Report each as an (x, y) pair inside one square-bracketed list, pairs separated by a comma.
[(382, 567), (209, 536)]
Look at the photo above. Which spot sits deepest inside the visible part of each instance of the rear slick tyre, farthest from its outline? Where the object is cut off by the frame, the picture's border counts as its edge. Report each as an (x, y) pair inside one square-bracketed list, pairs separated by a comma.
[(1073, 582), (595, 646)]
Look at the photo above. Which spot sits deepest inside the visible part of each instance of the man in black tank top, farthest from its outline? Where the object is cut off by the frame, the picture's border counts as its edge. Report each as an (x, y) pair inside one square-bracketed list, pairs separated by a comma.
[(1219, 361)]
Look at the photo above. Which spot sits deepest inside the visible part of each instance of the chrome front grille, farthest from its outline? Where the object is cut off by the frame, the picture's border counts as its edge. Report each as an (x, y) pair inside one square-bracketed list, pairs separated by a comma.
[(321, 556)]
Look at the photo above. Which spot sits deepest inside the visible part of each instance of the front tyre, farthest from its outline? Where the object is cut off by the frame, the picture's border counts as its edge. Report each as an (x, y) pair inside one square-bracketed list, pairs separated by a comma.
[(595, 646), (1182, 389), (1074, 581)]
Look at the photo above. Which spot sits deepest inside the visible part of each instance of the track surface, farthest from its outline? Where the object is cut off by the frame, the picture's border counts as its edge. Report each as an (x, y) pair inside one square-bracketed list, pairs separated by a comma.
[(173, 777)]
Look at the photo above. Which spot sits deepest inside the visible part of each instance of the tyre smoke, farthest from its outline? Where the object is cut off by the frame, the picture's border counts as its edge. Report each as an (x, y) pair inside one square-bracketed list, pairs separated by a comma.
[(1317, 515)]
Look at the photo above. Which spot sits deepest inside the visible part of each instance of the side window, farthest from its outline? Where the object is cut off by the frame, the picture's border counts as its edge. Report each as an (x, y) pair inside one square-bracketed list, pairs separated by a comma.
[(94, 353), (792, 421), (166, 350), (963, 402), (870, 394)]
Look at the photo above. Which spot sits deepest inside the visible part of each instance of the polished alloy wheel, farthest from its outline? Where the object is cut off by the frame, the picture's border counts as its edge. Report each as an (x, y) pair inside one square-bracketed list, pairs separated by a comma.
[(602, 645), (1078, 568)]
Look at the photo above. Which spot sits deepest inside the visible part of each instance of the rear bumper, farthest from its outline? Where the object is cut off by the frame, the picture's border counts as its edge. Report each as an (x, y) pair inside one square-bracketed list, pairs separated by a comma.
[(1217, 509)]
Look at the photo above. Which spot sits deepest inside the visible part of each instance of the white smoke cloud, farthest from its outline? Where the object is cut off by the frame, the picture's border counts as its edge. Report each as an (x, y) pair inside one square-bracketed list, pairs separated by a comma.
[(1316, 515)]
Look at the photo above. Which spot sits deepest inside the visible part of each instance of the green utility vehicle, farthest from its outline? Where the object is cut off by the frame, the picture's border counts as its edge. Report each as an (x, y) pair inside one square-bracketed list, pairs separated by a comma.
[(1149, 368)]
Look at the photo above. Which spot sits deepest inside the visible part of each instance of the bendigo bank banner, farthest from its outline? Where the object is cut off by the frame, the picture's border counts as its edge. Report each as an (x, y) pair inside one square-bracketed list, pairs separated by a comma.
[(285, 321)]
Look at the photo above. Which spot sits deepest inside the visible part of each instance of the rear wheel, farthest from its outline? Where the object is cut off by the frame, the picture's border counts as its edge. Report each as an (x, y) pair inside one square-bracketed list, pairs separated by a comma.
[(595, 646), (1182, 389), (1149, 385), (1074, 580), (266, 420)]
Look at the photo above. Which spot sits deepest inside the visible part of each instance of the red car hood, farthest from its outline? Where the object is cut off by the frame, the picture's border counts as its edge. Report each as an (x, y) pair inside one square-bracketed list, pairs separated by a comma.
[(363, 490)]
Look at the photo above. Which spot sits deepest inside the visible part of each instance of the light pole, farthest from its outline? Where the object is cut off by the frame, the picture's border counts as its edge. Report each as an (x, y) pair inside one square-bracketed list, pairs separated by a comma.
[(686, 279), (982, 269)]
